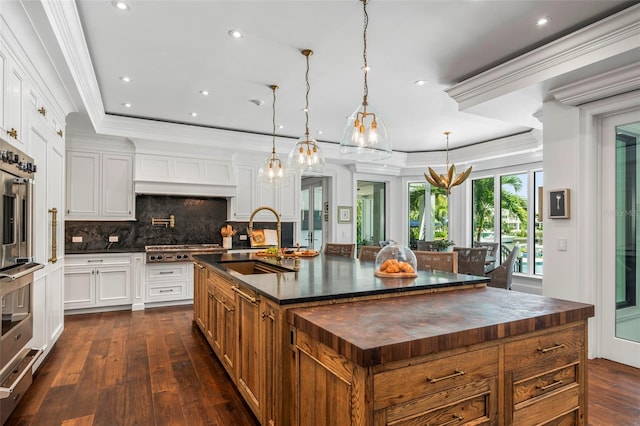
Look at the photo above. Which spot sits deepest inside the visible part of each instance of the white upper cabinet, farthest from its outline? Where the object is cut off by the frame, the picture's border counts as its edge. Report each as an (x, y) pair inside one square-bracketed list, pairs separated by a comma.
[(117, 185), (250, 195), (99, 186), (12, 104)]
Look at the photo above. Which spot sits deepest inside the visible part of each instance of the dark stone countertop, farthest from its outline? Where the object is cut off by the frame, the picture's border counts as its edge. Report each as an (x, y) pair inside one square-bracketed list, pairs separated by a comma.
[(377, 331), (330, 277)]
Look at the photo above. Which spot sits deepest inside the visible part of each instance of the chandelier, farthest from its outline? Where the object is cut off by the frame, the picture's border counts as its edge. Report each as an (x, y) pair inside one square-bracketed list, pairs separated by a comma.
[(306, 156), (449, 180), (365, 136), (271, 172)]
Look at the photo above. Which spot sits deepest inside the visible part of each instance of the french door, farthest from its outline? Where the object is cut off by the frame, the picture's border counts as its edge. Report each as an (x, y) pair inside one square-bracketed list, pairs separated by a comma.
[(311, 213), (620, 294)]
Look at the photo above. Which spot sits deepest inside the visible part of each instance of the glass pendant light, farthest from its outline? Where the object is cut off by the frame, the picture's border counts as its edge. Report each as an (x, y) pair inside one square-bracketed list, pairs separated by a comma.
[(365, 136), (271, 173), (306, 156)]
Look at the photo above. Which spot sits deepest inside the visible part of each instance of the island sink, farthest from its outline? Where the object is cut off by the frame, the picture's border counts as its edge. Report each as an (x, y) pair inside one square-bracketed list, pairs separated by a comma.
[(253, 267)]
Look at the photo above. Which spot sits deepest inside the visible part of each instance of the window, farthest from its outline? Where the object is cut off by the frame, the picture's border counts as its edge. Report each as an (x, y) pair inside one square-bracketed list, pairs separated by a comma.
[(514, 217), (439, 214), (515, 222), (483, 210), (417, 220), (428, 215)]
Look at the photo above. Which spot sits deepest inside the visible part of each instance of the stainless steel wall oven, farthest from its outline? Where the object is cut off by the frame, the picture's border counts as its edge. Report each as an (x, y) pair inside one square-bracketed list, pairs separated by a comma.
[(17, 266)]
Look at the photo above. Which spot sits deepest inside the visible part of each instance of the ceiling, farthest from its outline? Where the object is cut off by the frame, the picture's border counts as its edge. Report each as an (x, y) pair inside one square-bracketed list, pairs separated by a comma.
[(174, 49)]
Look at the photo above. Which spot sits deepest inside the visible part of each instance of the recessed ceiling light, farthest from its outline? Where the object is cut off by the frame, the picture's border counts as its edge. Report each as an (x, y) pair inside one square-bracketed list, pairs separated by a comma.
[(319, 132), (193, 114), (236, 33), (126, 105), (543, 21), (280, 126), (120, 5), (204, 92), (419, 82), (125, 79)]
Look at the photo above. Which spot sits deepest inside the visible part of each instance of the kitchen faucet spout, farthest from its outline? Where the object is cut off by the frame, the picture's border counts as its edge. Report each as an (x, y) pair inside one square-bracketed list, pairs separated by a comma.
[(278, 224)]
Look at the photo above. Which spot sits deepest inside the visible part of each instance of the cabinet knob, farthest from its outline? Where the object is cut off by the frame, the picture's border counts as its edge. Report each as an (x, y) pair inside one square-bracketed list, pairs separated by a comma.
[(59, 132), (42, 111), (13, 133)]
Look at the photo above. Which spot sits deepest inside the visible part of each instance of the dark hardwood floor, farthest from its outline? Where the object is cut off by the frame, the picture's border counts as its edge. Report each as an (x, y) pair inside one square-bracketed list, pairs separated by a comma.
[(132, 368), (154, 368)]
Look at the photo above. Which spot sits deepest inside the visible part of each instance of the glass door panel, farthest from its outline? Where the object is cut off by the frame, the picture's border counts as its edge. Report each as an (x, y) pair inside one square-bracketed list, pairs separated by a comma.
[(311, 220), (627, 235)]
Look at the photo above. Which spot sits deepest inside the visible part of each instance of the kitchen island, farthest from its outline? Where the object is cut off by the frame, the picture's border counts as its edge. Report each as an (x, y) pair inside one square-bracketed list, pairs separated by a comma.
[(332, 344)]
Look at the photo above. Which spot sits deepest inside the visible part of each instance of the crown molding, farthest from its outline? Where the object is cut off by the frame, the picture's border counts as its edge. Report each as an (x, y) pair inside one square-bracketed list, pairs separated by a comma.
[(606, 38), (622, 80), (65, 24)]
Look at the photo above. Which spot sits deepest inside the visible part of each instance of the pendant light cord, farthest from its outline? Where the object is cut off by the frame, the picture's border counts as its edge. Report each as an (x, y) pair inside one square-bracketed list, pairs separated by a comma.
[(307, 53), (273, 106), (364, 52), (447, 133)]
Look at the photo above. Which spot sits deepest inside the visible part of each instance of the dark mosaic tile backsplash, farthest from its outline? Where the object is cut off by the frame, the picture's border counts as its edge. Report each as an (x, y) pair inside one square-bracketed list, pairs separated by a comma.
[(197, 220)]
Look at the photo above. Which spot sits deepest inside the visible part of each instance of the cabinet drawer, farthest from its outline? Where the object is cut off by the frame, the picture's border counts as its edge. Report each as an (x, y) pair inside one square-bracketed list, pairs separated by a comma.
[(549, 381), (407, 383), (568, 419), (476, 403), (166, 292), (548, 350), (553, 405), (168, 272), (97, 260)]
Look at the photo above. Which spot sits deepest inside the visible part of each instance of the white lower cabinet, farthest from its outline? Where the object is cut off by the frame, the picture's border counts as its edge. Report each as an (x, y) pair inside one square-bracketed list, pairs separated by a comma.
[(94, 281), (168, 281)]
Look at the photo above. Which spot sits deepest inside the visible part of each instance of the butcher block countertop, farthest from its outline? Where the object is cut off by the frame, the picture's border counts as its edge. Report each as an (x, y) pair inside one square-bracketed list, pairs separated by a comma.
[(324, 278), (384, 330)]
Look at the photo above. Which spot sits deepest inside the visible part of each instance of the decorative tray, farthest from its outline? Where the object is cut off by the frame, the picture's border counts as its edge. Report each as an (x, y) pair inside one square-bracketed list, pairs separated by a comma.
[(306, 253), (395, 274)]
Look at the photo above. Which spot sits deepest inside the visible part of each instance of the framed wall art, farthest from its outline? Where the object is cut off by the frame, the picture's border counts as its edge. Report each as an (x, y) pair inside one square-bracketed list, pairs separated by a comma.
[(559, 204), (344, 214)]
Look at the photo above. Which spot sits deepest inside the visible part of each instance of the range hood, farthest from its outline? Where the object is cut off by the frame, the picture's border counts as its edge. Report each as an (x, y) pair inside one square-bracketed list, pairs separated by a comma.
[(183, 189), (185, 173)]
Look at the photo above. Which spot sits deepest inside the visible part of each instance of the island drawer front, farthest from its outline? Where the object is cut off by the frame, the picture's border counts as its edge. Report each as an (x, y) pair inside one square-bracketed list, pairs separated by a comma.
[(413, 381), (474, 403), (541, 349), (553, 405), (542, 384)]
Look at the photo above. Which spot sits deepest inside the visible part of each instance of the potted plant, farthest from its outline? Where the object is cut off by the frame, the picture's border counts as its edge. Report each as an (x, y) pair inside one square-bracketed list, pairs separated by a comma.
[(443, 245)]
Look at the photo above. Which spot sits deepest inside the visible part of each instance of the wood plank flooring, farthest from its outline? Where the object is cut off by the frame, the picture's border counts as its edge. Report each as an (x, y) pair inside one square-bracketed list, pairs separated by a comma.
[(154, 368), (132, 368)]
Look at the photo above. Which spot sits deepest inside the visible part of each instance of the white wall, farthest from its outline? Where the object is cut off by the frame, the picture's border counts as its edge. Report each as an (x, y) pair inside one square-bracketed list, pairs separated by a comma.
[(561, 170)]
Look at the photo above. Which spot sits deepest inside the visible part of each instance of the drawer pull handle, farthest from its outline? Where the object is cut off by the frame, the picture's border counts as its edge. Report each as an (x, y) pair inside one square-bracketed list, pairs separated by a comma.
[(268, 315), (167, 291), (245, 295), (549, 386), (95, 260), (165, 272), (552, 348), (450, 376), (456, 418), (224, 305)]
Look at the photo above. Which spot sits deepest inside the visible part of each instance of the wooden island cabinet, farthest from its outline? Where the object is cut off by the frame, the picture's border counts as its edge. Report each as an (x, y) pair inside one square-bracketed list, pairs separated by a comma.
[(330, 344)]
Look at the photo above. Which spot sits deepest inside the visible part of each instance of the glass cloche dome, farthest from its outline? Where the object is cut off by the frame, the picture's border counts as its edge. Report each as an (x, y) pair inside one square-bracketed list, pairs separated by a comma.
[(396, 259)]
